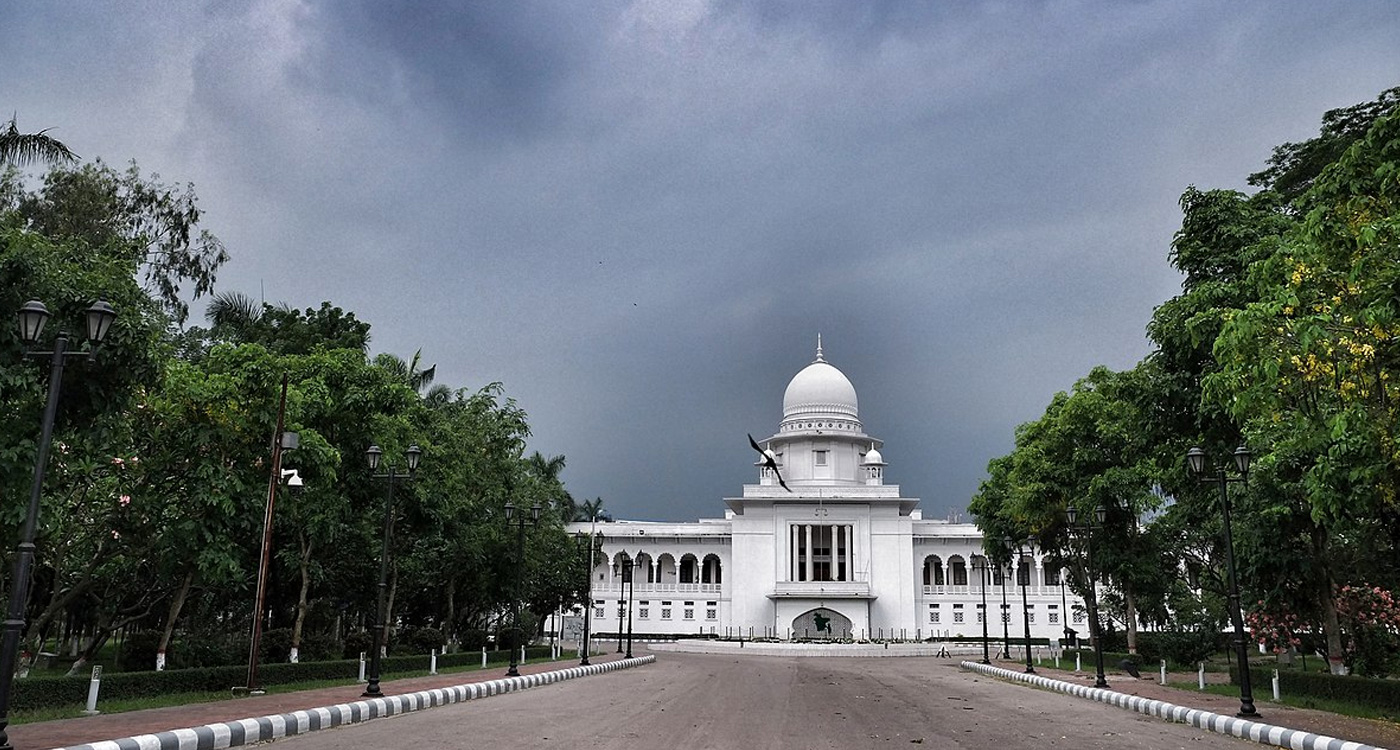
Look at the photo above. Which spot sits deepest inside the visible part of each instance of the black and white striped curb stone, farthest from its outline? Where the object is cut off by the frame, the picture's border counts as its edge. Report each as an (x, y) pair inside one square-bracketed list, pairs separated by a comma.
[(1257, 731), (264, 728)]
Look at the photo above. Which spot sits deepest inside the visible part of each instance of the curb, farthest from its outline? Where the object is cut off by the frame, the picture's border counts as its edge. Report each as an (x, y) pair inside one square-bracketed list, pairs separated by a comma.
[(275, 726), (1267, 734)]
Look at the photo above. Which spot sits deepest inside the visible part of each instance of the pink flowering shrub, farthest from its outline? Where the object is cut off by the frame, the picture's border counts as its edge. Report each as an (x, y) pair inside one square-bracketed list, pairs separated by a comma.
[(1370, 621)]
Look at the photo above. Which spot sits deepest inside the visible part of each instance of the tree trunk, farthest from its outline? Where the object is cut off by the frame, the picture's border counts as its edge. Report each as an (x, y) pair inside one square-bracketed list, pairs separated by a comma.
[(1331, 627), (304, 566), (389, 605), (176, 604), (449, 629), (1130, 617)]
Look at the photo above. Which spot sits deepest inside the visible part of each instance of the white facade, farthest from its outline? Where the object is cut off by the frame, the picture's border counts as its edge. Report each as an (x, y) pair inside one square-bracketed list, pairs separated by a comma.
[(839, 554)]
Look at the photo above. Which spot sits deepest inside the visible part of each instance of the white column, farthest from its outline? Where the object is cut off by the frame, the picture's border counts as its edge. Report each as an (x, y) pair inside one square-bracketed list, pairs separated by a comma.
[(792, 556), (809, 552), (838, 554)]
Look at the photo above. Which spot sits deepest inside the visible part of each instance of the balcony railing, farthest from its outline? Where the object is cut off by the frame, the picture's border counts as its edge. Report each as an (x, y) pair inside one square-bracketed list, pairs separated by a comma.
[(661, 588)]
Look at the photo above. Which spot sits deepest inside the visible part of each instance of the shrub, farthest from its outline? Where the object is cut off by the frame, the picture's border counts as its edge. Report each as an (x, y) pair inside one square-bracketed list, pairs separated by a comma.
[(275, 645), (426, 640), (473, 639), (1380, 694), (358, 642)]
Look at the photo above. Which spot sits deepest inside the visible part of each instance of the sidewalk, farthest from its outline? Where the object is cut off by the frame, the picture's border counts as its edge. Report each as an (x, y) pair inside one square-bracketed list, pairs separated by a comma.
[(44, 735), (1384, 734)]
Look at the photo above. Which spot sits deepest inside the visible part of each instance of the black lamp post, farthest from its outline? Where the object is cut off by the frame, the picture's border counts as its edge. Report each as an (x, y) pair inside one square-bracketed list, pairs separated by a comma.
[(372, 456), (986, 649), (1100, 513), (1196, 459), (32, 317), (520, 523), (589, 545), (1015, 545), (627, 570), (1005, 617)]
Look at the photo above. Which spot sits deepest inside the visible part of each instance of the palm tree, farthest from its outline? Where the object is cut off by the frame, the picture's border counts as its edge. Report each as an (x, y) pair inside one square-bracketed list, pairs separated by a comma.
[(592, 510), (410, 372), (546, 471), (234, 312), (22, 148)]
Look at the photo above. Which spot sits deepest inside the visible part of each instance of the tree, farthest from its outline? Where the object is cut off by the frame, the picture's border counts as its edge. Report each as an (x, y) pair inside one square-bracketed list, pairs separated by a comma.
[(124, 216), (25, 148)]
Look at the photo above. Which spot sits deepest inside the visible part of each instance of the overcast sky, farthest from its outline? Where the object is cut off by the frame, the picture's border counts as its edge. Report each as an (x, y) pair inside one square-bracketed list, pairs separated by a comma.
[(639, 215)]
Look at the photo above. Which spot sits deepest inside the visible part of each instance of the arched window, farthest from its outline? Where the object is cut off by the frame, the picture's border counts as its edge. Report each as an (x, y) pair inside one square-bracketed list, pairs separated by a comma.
[(957, 568), (933, 571), (710, 570), (1023, 571), (688, 569)]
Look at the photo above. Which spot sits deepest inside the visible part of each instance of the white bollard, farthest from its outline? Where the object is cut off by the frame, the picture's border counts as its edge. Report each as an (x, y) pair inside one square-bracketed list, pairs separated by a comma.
[(1201, 676), (96, 685), (362, 667), (432, 663), (483, 657), (1077, 665), (522, 654), (1164, 671), (1276, 686)]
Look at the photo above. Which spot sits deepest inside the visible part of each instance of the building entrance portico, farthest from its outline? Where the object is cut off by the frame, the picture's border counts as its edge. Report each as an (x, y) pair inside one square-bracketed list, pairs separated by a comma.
[(822, 623)]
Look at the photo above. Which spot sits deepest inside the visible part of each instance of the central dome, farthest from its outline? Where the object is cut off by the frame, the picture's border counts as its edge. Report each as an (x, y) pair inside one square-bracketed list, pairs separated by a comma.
[(819, 391)]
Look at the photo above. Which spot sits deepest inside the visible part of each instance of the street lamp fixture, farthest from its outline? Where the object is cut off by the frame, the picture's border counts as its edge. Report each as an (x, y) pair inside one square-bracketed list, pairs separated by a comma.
[(588, 546), (1086, 532), (373, 455), (520, 524), (1019, 549), (1196, 460), (31, 318), (627, 567), (986, 650)]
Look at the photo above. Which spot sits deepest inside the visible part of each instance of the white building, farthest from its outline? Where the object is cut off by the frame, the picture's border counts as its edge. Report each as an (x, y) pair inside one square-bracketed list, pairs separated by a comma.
[(837, 554)]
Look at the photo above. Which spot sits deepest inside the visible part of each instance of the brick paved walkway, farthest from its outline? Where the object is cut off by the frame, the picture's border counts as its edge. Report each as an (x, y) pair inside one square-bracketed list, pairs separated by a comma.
[(44, 735), (1368, 731)]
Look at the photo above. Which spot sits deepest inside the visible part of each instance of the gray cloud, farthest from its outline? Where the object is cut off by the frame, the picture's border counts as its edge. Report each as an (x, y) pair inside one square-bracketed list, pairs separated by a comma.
[(638, 215)]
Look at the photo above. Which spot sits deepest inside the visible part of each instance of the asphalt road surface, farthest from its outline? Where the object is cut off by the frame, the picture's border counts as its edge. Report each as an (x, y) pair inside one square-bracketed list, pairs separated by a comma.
[(692, 701)]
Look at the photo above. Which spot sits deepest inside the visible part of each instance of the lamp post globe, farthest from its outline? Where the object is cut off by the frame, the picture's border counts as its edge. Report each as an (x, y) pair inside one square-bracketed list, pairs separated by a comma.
[(31, 318)]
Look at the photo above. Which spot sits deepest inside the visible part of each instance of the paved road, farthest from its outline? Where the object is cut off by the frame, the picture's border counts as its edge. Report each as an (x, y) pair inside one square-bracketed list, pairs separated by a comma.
[(692, 701)]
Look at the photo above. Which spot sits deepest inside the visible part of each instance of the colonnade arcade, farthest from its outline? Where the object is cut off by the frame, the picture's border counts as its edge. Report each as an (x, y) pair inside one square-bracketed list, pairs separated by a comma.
[(664, 570), (957, 570)]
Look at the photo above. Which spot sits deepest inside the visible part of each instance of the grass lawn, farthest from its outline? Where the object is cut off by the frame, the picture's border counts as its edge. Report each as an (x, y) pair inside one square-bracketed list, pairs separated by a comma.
[(181, 699), (1322, 704)]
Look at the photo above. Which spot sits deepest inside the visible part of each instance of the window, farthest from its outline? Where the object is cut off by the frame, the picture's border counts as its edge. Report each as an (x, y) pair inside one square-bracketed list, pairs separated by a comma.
[(957, 613), (820, 457), (1054, 614), (1030, 614), (665, 610), (689, 612), (981, 613), (711, 613), (1078, 617), (599, 613), (933, 615), (1005, 614), (644, 610)]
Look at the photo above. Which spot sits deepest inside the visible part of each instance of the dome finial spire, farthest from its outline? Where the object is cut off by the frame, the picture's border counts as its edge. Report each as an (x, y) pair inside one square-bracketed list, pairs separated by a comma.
[(819, 349)]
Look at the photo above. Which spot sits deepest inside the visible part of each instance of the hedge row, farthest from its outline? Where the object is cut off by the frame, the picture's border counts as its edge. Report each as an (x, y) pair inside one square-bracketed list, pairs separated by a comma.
[(56, 692), (1373, 692)]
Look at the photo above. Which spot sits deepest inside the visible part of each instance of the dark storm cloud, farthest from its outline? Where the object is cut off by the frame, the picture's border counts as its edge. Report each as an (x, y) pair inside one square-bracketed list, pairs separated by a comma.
[(498, 71), (638, 215)]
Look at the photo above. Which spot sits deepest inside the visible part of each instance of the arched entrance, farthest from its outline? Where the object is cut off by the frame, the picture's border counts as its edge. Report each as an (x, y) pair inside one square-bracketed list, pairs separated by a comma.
[(821, 623)]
